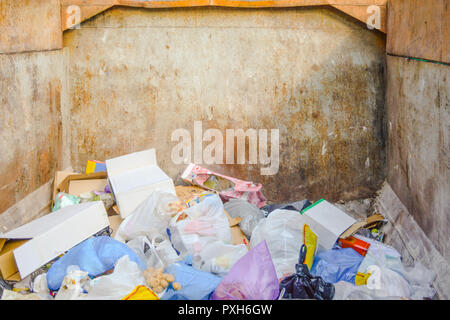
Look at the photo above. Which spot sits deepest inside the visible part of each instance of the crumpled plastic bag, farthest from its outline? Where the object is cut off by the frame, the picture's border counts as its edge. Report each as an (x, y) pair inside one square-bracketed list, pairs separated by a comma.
[(150, 218), (218, 257), (195, 284), (146, 252), (72, 285), (253, 277), (302, 285), (64, 200), (249, 213), (201, 222), (337, 264), (94, 255), (125, 278), (283, 231)]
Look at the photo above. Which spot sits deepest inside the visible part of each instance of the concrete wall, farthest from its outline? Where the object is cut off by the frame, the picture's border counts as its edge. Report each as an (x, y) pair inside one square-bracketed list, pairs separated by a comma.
[(136, 75), (418, 101), (32, 91)]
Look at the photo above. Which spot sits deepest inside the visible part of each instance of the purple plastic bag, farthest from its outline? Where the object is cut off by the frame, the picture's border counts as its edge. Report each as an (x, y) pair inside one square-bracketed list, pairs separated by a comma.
[(253, 277)]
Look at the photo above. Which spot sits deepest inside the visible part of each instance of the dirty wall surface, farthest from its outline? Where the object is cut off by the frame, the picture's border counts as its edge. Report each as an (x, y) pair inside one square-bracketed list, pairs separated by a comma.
[(31, 91), (418, 106), (136, 75)]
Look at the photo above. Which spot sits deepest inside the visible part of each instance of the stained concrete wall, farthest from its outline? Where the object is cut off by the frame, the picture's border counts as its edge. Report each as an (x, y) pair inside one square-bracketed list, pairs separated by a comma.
[(418, 107), (32, 91), (136, 75)]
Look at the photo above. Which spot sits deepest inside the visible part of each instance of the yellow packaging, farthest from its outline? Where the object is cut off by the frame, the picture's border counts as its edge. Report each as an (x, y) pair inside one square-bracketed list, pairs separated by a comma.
[(141, 293), (361, 278), (310, 241)]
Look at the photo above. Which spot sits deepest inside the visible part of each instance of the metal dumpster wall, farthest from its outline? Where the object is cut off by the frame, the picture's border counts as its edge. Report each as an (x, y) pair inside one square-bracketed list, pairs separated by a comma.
[(136, 75), (418, 113)]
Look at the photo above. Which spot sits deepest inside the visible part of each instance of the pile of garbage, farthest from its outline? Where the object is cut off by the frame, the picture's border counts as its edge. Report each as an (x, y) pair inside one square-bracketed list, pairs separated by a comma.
[(123, 231)]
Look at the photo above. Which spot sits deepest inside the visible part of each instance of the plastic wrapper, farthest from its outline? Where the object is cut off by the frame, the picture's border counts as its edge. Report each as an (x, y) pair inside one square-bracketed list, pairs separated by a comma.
[(63, 200), (337, 265), (72, 285), (227, 187), (95, 255), (253, 277), (146, 252), (195, 228), (151, 218), (125, 278), (249, 213), (283, 232), (218, 257), (195, 284), (303, 285)]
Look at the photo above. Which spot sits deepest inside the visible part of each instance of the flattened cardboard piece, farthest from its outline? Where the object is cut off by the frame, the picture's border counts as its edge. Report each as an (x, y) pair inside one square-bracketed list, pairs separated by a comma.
[(327, 221), (134, 177), (371, 220), (64, 186), (55, 233)]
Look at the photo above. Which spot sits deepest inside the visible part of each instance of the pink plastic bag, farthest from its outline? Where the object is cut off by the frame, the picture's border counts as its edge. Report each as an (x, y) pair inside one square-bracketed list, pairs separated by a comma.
[(228, 188), (253, 277)]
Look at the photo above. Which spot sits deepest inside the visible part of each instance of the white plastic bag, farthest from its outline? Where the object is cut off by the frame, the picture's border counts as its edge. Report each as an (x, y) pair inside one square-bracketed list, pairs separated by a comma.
[(283, 232), (206, 219), (40, 287), (249, 213), (165, 250), (385, 282), (218, 257), (149, 219), (146, 251), (122, 281), (72, 285)]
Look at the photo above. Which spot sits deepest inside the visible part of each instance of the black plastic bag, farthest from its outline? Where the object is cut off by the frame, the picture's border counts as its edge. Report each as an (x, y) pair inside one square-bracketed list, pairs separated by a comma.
[(303, 285), (295, 206)]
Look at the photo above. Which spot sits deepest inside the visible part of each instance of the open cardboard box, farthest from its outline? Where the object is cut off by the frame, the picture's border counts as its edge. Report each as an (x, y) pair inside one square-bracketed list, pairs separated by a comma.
[(330, 223), (27, 248), (134, 177)]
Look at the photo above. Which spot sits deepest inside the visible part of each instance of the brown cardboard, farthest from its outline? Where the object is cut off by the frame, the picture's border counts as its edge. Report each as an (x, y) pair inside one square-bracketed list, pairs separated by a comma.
[(64, 186), (369, 222), (114, 223), (8, 267), (76, 187), (59, 177)]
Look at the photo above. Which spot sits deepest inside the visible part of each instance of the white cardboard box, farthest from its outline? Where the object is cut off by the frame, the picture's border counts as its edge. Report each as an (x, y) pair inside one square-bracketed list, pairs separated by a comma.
[(134, 177), (327, 221), (55, 233)]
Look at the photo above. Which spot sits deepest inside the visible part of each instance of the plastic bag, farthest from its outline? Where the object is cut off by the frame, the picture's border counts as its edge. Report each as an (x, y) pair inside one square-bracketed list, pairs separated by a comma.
[(337, 264), (195, 284), (165, 250), (95, 255), (218, 257), (249, 213), (302, 285), (204, 220), (283, 231), (150, 218), (72, 285), (385, 282), (295, 206), (253, 277), (146, 252), (63, 200), (125, 278)]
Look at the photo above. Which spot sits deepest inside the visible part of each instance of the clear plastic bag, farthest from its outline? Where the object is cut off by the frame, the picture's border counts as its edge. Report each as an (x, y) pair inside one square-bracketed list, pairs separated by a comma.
[(218, 257), (249, 213), (146, 251), (204, 220), (121, 282), (150, 218), (283, 231), (72, 285)]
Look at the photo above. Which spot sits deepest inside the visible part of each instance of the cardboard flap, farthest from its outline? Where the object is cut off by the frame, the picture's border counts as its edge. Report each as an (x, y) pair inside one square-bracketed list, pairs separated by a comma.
[(64, 186), (370, 221), (8, 267)]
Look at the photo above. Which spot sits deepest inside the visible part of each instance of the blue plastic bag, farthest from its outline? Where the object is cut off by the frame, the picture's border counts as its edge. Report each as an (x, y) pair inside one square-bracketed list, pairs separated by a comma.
[(95, 255), (195, 284), (337, 265)]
